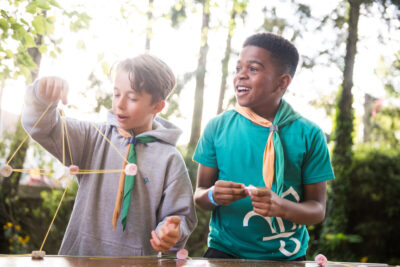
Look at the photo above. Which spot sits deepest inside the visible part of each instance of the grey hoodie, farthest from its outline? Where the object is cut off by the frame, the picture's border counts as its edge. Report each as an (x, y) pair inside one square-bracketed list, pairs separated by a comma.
[(162, 186)]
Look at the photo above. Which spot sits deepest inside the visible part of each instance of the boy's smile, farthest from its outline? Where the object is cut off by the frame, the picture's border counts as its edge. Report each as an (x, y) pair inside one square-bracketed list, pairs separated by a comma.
[(258, 82)]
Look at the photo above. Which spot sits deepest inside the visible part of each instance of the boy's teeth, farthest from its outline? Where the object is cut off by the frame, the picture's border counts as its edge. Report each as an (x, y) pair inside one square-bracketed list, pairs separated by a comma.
[(240, 88)]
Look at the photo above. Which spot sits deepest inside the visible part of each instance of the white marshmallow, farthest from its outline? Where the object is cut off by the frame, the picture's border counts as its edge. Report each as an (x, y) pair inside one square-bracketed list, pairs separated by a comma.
[(6, 170), (38, 254)]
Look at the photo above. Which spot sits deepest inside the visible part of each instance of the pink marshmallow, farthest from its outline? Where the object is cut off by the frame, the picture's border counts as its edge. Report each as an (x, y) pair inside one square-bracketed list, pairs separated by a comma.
[(73, 169), (131, 169), (182, 254), (321, 260)]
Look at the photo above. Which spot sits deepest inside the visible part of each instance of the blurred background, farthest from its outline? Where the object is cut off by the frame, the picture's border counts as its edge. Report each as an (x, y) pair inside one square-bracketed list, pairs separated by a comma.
[(347, 82)]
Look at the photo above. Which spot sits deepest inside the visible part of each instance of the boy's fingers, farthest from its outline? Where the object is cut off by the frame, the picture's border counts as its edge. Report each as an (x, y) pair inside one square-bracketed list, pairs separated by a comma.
[(229, 191), (42, 86), (222, 183), (261, 191), (153, 244), (64, 92), (49, 88), (168, 234), (56, 92), (157, 247), (158, 244), (156, 240), (175, 220), (168, 240)]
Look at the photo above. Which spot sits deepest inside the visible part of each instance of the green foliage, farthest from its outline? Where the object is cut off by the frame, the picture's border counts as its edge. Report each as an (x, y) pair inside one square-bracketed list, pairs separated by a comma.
[(375, 178), (29, 217), (178, 13), (385, 129), (372, 208), (18, 242), (23, 25)]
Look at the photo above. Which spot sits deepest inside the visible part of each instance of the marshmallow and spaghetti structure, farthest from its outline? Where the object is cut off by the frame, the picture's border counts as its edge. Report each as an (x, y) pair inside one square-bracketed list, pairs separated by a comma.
[(64, 172)]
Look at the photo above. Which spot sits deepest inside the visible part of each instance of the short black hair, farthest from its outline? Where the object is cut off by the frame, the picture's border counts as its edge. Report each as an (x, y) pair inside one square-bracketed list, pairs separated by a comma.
[(282, 51)]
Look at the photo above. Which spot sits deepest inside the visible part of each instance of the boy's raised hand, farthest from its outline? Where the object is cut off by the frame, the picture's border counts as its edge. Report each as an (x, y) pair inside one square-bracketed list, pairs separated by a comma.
[(266, 202), (167, 235), (53, 89), (226, 192)]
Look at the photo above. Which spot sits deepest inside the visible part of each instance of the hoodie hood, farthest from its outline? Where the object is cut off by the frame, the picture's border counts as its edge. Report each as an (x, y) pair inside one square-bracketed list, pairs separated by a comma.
[(161, 129)]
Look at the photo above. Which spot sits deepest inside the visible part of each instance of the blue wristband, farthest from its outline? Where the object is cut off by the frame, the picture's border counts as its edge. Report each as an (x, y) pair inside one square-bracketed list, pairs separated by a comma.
[(210, 197)]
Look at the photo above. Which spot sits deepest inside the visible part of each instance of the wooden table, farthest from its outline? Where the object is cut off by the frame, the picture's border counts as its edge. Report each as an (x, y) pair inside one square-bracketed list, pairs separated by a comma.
[(60, 261)]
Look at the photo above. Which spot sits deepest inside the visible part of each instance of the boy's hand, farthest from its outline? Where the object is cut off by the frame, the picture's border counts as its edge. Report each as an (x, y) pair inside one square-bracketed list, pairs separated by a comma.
[(53, 89), (266, 202), (226, 192), (167, 235)]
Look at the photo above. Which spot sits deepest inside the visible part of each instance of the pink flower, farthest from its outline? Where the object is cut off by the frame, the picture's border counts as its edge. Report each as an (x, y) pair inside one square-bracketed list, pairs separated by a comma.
[(73, 169), (321, 260), (182, 254), (131, 169)]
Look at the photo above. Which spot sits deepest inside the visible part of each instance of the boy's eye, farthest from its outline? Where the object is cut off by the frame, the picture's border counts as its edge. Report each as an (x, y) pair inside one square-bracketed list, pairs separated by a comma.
[(238, 69), (253, 69)]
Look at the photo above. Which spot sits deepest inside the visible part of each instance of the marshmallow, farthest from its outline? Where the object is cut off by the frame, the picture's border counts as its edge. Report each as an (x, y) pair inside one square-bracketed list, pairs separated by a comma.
[(182, 254), (131, 169), (38, 254), (250, 188), (73, 169), (6, 170), (321, 260)]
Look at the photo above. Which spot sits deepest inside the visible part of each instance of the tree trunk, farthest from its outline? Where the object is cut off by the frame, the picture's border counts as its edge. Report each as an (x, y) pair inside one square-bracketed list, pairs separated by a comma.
[(336, 220), (200, 76), (149, 28), (344, 120), (225, 60)]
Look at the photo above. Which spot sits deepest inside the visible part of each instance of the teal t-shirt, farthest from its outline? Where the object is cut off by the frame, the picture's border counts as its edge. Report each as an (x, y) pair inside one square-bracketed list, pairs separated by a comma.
[(235, 146)]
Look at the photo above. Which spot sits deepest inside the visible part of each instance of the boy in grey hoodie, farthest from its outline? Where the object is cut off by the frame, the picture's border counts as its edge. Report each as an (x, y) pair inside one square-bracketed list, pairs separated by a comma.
[(159, 212)]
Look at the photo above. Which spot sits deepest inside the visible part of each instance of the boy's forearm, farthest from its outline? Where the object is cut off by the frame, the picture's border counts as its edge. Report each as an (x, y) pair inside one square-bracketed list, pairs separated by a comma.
[(307, 212)]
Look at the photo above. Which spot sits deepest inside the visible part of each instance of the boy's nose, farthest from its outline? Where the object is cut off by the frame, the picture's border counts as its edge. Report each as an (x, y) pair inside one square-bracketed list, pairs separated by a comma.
[(121, 103), (241, 75)]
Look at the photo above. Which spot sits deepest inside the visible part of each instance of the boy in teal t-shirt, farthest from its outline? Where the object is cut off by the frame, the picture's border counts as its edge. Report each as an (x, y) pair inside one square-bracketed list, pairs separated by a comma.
[(234, 154)]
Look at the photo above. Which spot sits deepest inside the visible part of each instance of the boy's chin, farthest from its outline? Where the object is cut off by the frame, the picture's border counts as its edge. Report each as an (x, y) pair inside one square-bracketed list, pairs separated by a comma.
[(243, 103), (124, 126)]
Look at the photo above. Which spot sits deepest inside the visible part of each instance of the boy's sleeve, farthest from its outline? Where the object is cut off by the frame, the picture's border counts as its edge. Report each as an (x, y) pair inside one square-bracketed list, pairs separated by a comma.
[(177, 200), (317, 165), (205, 153), (48, 131)]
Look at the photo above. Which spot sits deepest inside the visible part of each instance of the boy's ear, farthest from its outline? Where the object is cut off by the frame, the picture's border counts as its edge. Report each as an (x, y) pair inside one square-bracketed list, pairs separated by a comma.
[(159, 106), (284, 82)]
